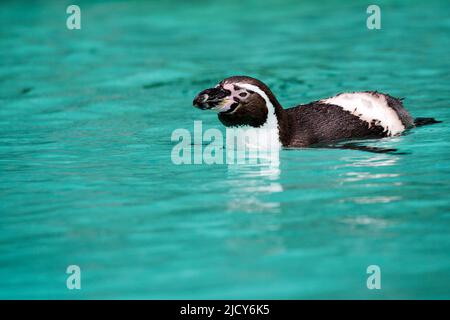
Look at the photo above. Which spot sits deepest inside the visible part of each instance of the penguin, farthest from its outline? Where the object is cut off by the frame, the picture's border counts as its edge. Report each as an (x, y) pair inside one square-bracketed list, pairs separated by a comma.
[(246, 102)]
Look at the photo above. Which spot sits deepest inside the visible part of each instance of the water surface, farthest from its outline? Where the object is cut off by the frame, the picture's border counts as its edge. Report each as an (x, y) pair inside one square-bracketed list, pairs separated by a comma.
[(86, 119)]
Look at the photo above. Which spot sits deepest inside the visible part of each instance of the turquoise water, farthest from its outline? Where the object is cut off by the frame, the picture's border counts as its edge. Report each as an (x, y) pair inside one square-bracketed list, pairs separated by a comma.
[(86, 120)]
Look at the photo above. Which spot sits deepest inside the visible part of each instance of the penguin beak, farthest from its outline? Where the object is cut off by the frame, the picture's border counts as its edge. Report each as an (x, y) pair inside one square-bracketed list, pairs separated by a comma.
[(210, 98)]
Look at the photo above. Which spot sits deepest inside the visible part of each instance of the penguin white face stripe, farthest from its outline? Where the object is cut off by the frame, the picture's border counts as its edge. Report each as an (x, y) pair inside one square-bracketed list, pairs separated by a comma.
[(369, 108), (271, 121)]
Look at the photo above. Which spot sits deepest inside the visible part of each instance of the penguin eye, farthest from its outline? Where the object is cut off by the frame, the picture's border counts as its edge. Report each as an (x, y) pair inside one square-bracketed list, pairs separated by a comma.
[(243, 94)]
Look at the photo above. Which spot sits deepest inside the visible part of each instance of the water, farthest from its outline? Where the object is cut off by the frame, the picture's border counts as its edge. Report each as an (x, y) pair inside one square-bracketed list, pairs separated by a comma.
[(86, 119)]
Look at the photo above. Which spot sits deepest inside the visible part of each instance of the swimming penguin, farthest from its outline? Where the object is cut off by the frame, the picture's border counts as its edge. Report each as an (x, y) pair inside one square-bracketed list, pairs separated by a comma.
[(243, 101)]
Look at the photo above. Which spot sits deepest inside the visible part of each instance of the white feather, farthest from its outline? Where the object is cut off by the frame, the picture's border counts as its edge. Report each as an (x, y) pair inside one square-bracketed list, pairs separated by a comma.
[(369, 107)]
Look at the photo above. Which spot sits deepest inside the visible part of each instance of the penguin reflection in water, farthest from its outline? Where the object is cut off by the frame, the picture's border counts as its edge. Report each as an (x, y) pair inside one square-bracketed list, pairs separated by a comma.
[(245, 102)]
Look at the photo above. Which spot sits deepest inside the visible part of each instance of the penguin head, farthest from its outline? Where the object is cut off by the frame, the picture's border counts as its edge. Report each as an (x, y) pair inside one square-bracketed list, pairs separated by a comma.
[(239, 101)]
